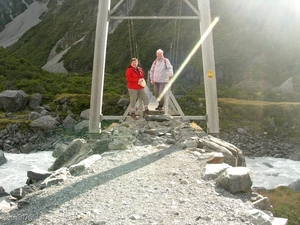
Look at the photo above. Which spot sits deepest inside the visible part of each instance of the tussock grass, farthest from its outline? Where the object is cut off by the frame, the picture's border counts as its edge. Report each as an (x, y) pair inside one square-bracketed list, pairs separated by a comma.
[(258, 115), (286, 204)]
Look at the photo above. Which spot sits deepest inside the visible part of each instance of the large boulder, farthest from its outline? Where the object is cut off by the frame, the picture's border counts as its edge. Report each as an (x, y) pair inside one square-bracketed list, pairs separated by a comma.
[(85, 114), (13, 100), (235, 179), (213, 171), (84, 165), (69, 121), (44, 123), (3, 192), (36, 175), (77, 151), (35, 100), (58, 176), (21, 192)]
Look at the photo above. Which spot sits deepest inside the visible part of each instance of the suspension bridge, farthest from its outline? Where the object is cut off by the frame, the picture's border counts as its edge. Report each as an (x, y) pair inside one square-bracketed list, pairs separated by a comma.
[(202, 14)]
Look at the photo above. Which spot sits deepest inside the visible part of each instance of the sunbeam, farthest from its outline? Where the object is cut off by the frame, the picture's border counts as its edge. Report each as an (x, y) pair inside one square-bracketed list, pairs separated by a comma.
[(188, 58)]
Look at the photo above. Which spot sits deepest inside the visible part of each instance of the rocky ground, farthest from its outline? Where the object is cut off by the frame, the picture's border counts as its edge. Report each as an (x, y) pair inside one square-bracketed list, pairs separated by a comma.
[(141, 185)]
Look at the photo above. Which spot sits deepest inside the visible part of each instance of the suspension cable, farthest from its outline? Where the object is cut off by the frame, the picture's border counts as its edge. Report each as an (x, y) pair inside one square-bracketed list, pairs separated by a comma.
[(132, 39), (129, 31), (176, 39)]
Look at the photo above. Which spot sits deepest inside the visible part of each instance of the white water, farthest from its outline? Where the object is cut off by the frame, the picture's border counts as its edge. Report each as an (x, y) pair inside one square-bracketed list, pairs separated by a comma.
[(13, 174), (271, 172)]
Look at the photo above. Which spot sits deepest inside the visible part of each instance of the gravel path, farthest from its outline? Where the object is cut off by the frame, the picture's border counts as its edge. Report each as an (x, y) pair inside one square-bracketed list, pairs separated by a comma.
[(143, 185)]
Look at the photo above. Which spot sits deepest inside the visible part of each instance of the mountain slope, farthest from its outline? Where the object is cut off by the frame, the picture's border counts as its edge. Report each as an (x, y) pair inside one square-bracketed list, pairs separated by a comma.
[(9, 9), (253, 40), (20, 24)]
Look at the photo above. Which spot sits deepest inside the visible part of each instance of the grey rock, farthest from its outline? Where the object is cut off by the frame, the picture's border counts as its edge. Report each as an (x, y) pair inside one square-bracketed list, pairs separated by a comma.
[(28, 147), (3, 192), (235, 179), (84, 165), (35, 100), (39, 109), (59, 176), (59, 148), (85, 114), (68, 121), (34, 115), (242, 131), (263, 204), (23, 191), (13, 100), (3, 159), (295, 156), (74, 153), (82, 127), (44, 123), (213, 171), (36, 175), (295, 185)]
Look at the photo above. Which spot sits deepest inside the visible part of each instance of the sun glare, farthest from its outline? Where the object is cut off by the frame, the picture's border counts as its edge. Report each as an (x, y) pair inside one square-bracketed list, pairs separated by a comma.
[(295, 6)]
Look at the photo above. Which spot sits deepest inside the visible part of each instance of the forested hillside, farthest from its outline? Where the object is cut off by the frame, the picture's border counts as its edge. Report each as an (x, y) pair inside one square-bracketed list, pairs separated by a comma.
[(253, 39)]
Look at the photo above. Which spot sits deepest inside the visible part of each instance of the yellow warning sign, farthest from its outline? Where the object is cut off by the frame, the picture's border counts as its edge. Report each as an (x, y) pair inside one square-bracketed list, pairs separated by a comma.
[(210, 74)]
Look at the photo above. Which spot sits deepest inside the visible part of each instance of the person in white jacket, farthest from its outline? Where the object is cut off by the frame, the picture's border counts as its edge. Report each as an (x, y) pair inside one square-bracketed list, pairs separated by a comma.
[(160, 73)]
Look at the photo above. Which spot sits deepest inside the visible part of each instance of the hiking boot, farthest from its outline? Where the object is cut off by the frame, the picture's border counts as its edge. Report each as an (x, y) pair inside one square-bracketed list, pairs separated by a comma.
[(133, 116), (159, 108), (147, 112)]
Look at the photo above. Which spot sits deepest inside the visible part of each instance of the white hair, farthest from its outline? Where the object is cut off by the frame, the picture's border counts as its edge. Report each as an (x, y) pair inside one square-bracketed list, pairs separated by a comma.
[(159, 50)]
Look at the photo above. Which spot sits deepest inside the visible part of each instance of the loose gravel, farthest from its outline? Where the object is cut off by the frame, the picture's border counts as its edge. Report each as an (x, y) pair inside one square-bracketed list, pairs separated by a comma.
[(142, 185)]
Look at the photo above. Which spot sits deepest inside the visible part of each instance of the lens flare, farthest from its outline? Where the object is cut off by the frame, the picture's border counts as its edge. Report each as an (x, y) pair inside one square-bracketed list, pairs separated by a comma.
[(188, 58)]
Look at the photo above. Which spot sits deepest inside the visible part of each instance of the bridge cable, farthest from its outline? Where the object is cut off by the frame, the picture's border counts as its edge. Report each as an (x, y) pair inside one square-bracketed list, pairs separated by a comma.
[(132, 38)]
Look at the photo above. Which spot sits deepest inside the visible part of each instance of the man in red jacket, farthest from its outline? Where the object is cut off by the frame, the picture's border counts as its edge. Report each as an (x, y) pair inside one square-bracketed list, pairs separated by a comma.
[(134, 76)]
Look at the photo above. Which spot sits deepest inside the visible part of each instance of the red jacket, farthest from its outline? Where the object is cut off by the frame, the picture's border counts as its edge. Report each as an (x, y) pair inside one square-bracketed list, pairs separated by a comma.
[(132, 77)]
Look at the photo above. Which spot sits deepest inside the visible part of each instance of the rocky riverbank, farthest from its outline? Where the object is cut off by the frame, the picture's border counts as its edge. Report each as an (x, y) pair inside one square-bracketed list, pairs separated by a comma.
[(47, 127), (255, 144), (154, 173), (141, 185), (149, 171)]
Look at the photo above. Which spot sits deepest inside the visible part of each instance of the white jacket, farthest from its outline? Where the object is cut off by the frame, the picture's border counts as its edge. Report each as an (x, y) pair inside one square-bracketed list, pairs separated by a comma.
[(161, 70)]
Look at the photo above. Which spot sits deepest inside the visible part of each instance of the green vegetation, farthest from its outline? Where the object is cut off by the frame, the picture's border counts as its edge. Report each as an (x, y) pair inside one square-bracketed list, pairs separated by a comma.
[(18, 74), (260, 47), (257, 115), (236, 107), (20, 118), (286, 204)]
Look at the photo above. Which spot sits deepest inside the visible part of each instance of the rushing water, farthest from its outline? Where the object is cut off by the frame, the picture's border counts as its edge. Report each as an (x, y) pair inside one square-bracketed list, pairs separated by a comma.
[(267, 172), (13, 174), (271, 172)]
